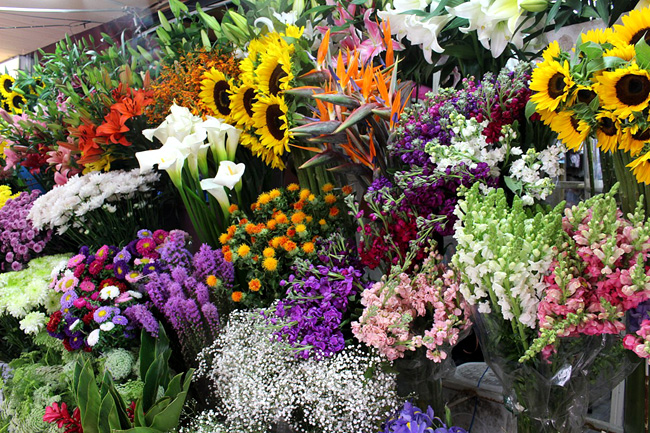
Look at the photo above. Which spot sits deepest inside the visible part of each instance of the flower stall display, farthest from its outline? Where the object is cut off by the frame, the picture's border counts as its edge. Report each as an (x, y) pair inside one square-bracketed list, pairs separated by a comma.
[(101, 306), (98, 208), (20, 239), (550, 293), (411, 419)]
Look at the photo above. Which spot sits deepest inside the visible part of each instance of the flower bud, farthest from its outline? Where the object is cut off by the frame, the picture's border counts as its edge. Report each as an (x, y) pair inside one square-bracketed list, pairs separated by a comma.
[(533, 5)]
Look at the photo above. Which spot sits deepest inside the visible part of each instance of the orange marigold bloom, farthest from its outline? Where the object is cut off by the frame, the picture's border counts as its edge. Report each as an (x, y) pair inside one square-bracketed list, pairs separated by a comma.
[(243, 250), (277, 241), (224, 238), (304, 194), (328, 187), (291, 232), (227, 256), (322, 222), (250, 228), (233, 208), (232, 230), (298, 217), (254, 285), (274, 193), (347, 190), (289, 246), (268, 252), (308, 247), (300, 228), (270, 264), (243, 221), (255, 207), (298, 205), (309, 218), (334, 211), (236, 296), (293, 187), (225, 248), (256, 258), (263, 199), (281, 218), (211, 280), (271, 224), (311, 197), (330, 199)]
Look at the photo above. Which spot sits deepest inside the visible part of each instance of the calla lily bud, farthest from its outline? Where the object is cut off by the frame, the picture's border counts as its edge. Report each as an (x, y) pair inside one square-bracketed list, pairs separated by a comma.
[(534, 5)]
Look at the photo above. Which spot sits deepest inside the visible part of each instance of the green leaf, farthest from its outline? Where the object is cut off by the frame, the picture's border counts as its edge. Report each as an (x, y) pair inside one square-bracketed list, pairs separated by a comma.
[(514, 185), (642, 53), (163, 21), (591, 49), (612, 62), (319, 9), (319, 159), (316, 128), (176, 7), (174, 386), (553, 12), (147, 351), (205, 40), (108, 419), (531, 108), (209, 20)]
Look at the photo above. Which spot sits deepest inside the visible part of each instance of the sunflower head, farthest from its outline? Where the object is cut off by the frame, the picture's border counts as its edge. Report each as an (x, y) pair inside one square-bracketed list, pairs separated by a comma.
[(598, 36), (624, 90), (570, 130), (551, 82), (622, 51), (274, 73), (6, 84), (635, 26), (215, 89), (16, 102), (552, 52), (242, 99), (641, 168), (608, 132), (271, 123), (634, 139), (582, 94)]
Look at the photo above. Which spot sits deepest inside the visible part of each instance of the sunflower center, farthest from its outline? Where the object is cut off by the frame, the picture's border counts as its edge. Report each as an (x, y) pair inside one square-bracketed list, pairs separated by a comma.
[(248, 100), (556, 85), (586, 96), (608, 127), (575, 123), (274, 80), (642, 136), (633, 89), (17, 101), (221, 98), (643, 33), (273, 121), (7, 85)]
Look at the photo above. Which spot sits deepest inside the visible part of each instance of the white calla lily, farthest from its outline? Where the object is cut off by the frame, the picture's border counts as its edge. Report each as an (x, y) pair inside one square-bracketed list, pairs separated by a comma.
[(223, 138), (170, 157), (228, 176), (179, 124)]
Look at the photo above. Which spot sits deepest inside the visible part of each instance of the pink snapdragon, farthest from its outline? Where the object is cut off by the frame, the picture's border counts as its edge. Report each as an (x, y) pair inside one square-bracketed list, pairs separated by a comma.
[(388, 322)]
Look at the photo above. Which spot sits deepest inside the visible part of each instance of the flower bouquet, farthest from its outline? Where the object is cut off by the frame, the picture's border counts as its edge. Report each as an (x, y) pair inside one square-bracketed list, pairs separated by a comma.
[(101, 306), (549, 295)]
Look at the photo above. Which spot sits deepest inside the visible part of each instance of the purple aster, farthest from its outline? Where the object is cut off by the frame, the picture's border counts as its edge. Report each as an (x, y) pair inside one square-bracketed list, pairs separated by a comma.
[(123, 255), (120, 320), (67, 299), (102, 314), (121, 269), (144, 233)]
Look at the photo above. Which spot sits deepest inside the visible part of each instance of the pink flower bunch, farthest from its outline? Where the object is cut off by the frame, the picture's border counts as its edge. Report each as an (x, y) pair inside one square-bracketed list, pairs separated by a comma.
[(639, 343), (405, 313), (597, 276)]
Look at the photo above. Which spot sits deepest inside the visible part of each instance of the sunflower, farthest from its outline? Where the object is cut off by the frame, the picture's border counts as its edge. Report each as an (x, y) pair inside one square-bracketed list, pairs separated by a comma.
[(214, 93), (247, 68), (242, 99), (609, 131), (582, 94), (551, 82), (274, 72), (570, 130), (552, 52), (294, 32), (547, 116), (598, 36), (622, 51), (15, 102), (641, 168), (6, 84), (624, 90), (635, 26), (271, 123), (633, 139)]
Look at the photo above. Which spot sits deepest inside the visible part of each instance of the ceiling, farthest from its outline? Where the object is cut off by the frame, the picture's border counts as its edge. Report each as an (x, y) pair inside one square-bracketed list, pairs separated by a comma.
[(24, 31)]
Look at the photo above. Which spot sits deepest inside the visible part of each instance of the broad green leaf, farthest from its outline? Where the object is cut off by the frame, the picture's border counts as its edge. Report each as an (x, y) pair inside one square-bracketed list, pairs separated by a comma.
[(642, 53), (592, 50), (531, 108), (336, 99), (316, 128), (163, 22), (357, 116)]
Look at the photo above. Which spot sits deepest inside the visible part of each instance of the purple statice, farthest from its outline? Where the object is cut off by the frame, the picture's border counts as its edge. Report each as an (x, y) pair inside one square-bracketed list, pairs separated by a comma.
[(410, 419), (208, 261), (19, 240), (310, 319)]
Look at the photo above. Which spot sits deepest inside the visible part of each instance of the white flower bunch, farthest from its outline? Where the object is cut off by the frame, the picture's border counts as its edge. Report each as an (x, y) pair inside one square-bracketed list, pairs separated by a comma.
[(260, 384), (67, 205), (534, 172), (24, 291), (503, 255)]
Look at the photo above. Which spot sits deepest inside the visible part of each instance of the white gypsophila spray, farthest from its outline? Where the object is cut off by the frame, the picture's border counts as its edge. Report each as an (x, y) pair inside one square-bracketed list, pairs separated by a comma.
[(66, 205), (260, 384)]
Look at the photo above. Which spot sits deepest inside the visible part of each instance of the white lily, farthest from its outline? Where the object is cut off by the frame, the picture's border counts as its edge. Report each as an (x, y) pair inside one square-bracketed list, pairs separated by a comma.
[(228, 175), (426, 32), (179, 124), (170, 157), (223, 138)]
